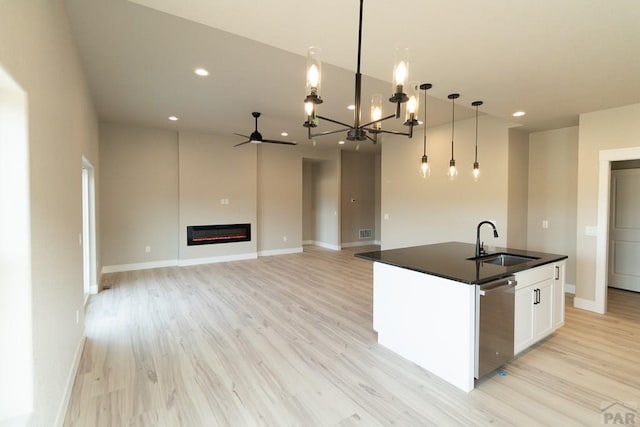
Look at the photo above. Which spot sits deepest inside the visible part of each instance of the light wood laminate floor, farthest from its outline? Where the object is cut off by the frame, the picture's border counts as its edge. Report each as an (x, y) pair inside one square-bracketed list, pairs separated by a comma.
[(288, 341)]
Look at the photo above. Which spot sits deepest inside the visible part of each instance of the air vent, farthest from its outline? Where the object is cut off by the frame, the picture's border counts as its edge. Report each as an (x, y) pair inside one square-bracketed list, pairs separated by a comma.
[(366, 233)]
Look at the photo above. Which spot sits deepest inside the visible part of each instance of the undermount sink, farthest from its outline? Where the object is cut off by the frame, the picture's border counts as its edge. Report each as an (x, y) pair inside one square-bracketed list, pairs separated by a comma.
[(503, 259)]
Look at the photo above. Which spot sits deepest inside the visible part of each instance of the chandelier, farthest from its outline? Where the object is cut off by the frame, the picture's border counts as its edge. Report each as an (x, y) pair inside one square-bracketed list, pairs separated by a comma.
[(358, 131)]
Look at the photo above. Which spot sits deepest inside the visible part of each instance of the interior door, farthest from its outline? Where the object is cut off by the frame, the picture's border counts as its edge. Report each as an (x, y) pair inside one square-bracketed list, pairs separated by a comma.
[(624, 233)]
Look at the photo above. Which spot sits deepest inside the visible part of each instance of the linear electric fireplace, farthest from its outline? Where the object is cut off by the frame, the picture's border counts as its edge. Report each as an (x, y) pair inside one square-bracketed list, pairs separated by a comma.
[(224, 233)]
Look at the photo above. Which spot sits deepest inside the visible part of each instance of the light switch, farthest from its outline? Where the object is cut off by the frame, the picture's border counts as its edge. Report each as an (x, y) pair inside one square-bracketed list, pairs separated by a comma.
[(386, 216), (591, 231)]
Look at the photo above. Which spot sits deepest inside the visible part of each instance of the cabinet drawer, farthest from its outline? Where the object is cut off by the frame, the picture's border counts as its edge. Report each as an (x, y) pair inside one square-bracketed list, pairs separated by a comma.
[(534, 275)]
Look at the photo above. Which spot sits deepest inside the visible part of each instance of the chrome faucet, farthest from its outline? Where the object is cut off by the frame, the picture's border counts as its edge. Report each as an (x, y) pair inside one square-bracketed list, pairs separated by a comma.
[(480, 246)]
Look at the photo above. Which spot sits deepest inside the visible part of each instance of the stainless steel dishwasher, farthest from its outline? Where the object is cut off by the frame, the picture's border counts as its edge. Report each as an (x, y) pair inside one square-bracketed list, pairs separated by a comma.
[(494, 324)]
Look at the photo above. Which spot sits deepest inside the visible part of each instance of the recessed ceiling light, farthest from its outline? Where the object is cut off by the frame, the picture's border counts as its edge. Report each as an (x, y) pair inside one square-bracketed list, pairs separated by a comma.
[(518, 114), (201, 72), (173, 118), (341, 142), (351, 107), (284, 134)]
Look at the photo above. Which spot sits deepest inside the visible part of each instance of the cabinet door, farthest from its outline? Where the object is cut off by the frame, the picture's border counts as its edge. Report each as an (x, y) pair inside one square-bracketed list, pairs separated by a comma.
[(558, 294), (543, 309), (524, 321)]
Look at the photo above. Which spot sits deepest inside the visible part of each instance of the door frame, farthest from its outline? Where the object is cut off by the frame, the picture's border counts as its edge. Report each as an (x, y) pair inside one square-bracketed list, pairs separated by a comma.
[(604, 200), (89, 258)]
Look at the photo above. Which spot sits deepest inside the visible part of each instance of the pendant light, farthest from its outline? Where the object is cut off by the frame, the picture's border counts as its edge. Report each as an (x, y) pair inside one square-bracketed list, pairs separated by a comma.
[(424, 163), (476, 165), (358, 131), (453, 171)]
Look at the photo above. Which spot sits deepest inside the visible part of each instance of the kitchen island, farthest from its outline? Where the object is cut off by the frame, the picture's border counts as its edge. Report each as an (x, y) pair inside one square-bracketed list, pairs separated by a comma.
[(426, 303)]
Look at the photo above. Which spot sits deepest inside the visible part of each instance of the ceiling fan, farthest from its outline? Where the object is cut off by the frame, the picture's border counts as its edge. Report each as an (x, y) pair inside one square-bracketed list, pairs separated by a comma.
[(256, 137)]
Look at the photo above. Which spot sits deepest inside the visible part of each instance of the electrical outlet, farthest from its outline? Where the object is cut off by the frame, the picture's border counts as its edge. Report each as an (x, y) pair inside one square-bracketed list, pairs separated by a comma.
[(386, 216), (284, 238), (77, 317), (545, 224), (147, 249)]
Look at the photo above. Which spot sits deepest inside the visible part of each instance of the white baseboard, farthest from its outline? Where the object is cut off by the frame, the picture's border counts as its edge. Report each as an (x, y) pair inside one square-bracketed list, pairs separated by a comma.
[(569, 289), (139, 266), (66, 397), (359, 243), (327, 245), (216, 259), (281, 251), (585, 304)]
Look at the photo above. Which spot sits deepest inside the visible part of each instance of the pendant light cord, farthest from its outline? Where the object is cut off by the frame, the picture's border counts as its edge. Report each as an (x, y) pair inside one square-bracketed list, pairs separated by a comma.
[(424, 123), (476, 157), (453, 119)]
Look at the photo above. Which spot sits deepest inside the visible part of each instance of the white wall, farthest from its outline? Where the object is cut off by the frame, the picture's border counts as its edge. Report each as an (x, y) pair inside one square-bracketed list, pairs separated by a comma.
[(553, 174), (518, 189), (326, 191), (157, 182), (614, 128), (211, 169), (280, 194), (308, 198), (358, 196), (37, 49), (139, 190), (434, 209), (16, 332)]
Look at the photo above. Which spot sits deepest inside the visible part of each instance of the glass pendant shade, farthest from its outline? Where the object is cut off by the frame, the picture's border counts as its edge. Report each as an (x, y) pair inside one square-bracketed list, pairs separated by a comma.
[(453, 170), (425, 171), (314, 71), (376, 111), (476, 165), (413, 104), (400, 70)]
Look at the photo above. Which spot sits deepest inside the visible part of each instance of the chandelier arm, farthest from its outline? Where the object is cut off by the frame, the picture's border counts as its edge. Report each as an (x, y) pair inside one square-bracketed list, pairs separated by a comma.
[(392, 116), (392, 132), (329, 132), (374, 140), (335, 121)]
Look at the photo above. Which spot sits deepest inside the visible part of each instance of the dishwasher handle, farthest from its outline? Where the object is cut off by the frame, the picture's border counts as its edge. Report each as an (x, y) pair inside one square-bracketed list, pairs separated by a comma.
[(497, 286)]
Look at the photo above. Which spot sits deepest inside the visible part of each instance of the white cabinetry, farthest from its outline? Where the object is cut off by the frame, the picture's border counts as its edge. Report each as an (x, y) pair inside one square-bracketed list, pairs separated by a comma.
[(539, 306), (558, 294)]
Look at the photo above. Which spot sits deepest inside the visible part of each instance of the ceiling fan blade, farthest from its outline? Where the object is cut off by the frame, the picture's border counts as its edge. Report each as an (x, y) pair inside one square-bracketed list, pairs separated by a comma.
[(244, 136), (272, 141), (242, 143)]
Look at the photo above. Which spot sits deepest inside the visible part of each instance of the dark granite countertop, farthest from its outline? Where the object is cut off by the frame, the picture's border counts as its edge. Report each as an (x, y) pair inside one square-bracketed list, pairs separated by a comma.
[(450, 261)]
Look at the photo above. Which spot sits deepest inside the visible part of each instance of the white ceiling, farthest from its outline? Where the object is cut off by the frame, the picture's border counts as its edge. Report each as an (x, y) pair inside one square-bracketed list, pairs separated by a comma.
[(553, 59)]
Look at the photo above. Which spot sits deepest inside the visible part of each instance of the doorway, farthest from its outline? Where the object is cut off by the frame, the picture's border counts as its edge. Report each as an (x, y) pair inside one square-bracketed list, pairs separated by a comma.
[(88, 230), (624, 228), (602, 241)]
